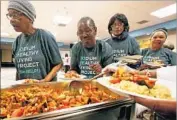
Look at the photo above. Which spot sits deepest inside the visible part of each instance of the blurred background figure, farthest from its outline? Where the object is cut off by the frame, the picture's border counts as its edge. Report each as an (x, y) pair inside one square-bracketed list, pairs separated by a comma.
[(66, 63), (169, 45)]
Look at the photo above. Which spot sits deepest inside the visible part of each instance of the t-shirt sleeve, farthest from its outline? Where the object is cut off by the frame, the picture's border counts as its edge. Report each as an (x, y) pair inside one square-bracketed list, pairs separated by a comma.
[(173, 58), (135, 47), (74, 60), (107, 54), (14, 47), (52, 49), (143, 51)]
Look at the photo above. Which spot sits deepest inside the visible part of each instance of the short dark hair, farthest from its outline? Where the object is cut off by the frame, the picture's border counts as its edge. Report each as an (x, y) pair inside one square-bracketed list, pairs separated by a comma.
[(120, 17), (66, 55), (85, 19)]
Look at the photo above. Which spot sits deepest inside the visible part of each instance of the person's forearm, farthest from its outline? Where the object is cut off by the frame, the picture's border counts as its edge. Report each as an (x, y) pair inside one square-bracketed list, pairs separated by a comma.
[(53, 72), (158, 105)]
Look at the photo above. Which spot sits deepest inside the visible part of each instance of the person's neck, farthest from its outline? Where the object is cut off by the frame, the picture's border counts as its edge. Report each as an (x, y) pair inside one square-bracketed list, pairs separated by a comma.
[(31, 30), (155, 49), (93, 46), (114, 35)]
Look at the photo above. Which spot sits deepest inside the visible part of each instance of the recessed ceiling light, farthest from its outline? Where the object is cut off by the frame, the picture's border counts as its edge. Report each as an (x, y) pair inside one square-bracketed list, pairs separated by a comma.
[(164, 12)]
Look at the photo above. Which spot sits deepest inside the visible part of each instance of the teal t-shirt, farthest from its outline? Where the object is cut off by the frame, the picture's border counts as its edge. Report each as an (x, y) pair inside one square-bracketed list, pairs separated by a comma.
[(82, 57), (35, 55), (128, 46), (163, 54)]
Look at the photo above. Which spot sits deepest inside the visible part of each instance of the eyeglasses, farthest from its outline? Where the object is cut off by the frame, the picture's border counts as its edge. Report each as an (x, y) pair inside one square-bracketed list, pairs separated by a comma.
[(14, 15), (88, 32), (117, 24)]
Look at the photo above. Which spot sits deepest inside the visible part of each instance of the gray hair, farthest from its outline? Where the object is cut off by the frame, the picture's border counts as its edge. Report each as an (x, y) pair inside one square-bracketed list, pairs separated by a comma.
[(87, 20)]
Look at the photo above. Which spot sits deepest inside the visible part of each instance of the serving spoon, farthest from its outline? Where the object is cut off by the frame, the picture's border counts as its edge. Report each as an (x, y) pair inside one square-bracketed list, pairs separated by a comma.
[(76, 86)]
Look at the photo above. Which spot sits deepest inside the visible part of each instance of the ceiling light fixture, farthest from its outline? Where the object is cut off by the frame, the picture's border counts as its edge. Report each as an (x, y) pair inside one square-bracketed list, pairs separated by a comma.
[(62, 19), (164, 12)]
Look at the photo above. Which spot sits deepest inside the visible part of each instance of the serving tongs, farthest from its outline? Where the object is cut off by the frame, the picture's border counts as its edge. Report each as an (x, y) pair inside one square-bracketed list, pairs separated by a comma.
[(77, 86)]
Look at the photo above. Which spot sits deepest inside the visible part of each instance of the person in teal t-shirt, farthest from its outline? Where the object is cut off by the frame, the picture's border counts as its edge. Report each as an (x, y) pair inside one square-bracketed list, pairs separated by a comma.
[(35, 51), (156, 53), (120, 41), (89, 56)]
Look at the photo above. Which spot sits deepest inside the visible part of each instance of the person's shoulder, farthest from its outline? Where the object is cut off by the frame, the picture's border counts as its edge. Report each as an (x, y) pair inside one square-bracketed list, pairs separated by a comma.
[(166, 50), (46, 35), (143, 51), (78, 46), (102, 42), (20, 36), (45, 32), (129, 37), (103, 45), (107, 39)]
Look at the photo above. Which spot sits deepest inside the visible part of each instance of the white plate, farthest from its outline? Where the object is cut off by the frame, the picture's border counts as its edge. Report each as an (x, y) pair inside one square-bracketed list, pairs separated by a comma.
[(78, 79), (126, 60), (154, 65), (171, 85), (134, 57)]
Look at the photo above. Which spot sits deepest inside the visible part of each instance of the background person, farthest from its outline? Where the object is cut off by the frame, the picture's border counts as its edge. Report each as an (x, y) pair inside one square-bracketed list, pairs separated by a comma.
[(120, 41), (66, 63)]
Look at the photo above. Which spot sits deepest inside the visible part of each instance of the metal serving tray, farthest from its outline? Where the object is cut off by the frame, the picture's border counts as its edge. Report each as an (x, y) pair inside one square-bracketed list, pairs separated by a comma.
[(86, 111)]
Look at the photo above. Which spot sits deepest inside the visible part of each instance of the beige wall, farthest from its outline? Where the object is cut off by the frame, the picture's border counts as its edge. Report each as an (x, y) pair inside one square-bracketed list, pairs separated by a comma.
[(171, 38)]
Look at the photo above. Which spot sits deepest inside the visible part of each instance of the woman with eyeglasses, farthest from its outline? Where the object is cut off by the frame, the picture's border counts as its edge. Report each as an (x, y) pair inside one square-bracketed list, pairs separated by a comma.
[(89, 56), (35, 51), (120, 41)]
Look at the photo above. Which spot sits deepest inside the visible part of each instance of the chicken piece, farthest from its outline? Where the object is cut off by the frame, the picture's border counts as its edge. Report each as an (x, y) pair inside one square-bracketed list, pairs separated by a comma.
[(18, 112)]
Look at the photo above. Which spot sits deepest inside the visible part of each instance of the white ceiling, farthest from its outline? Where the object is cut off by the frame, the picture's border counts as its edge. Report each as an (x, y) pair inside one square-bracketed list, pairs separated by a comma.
[(100, 11)]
